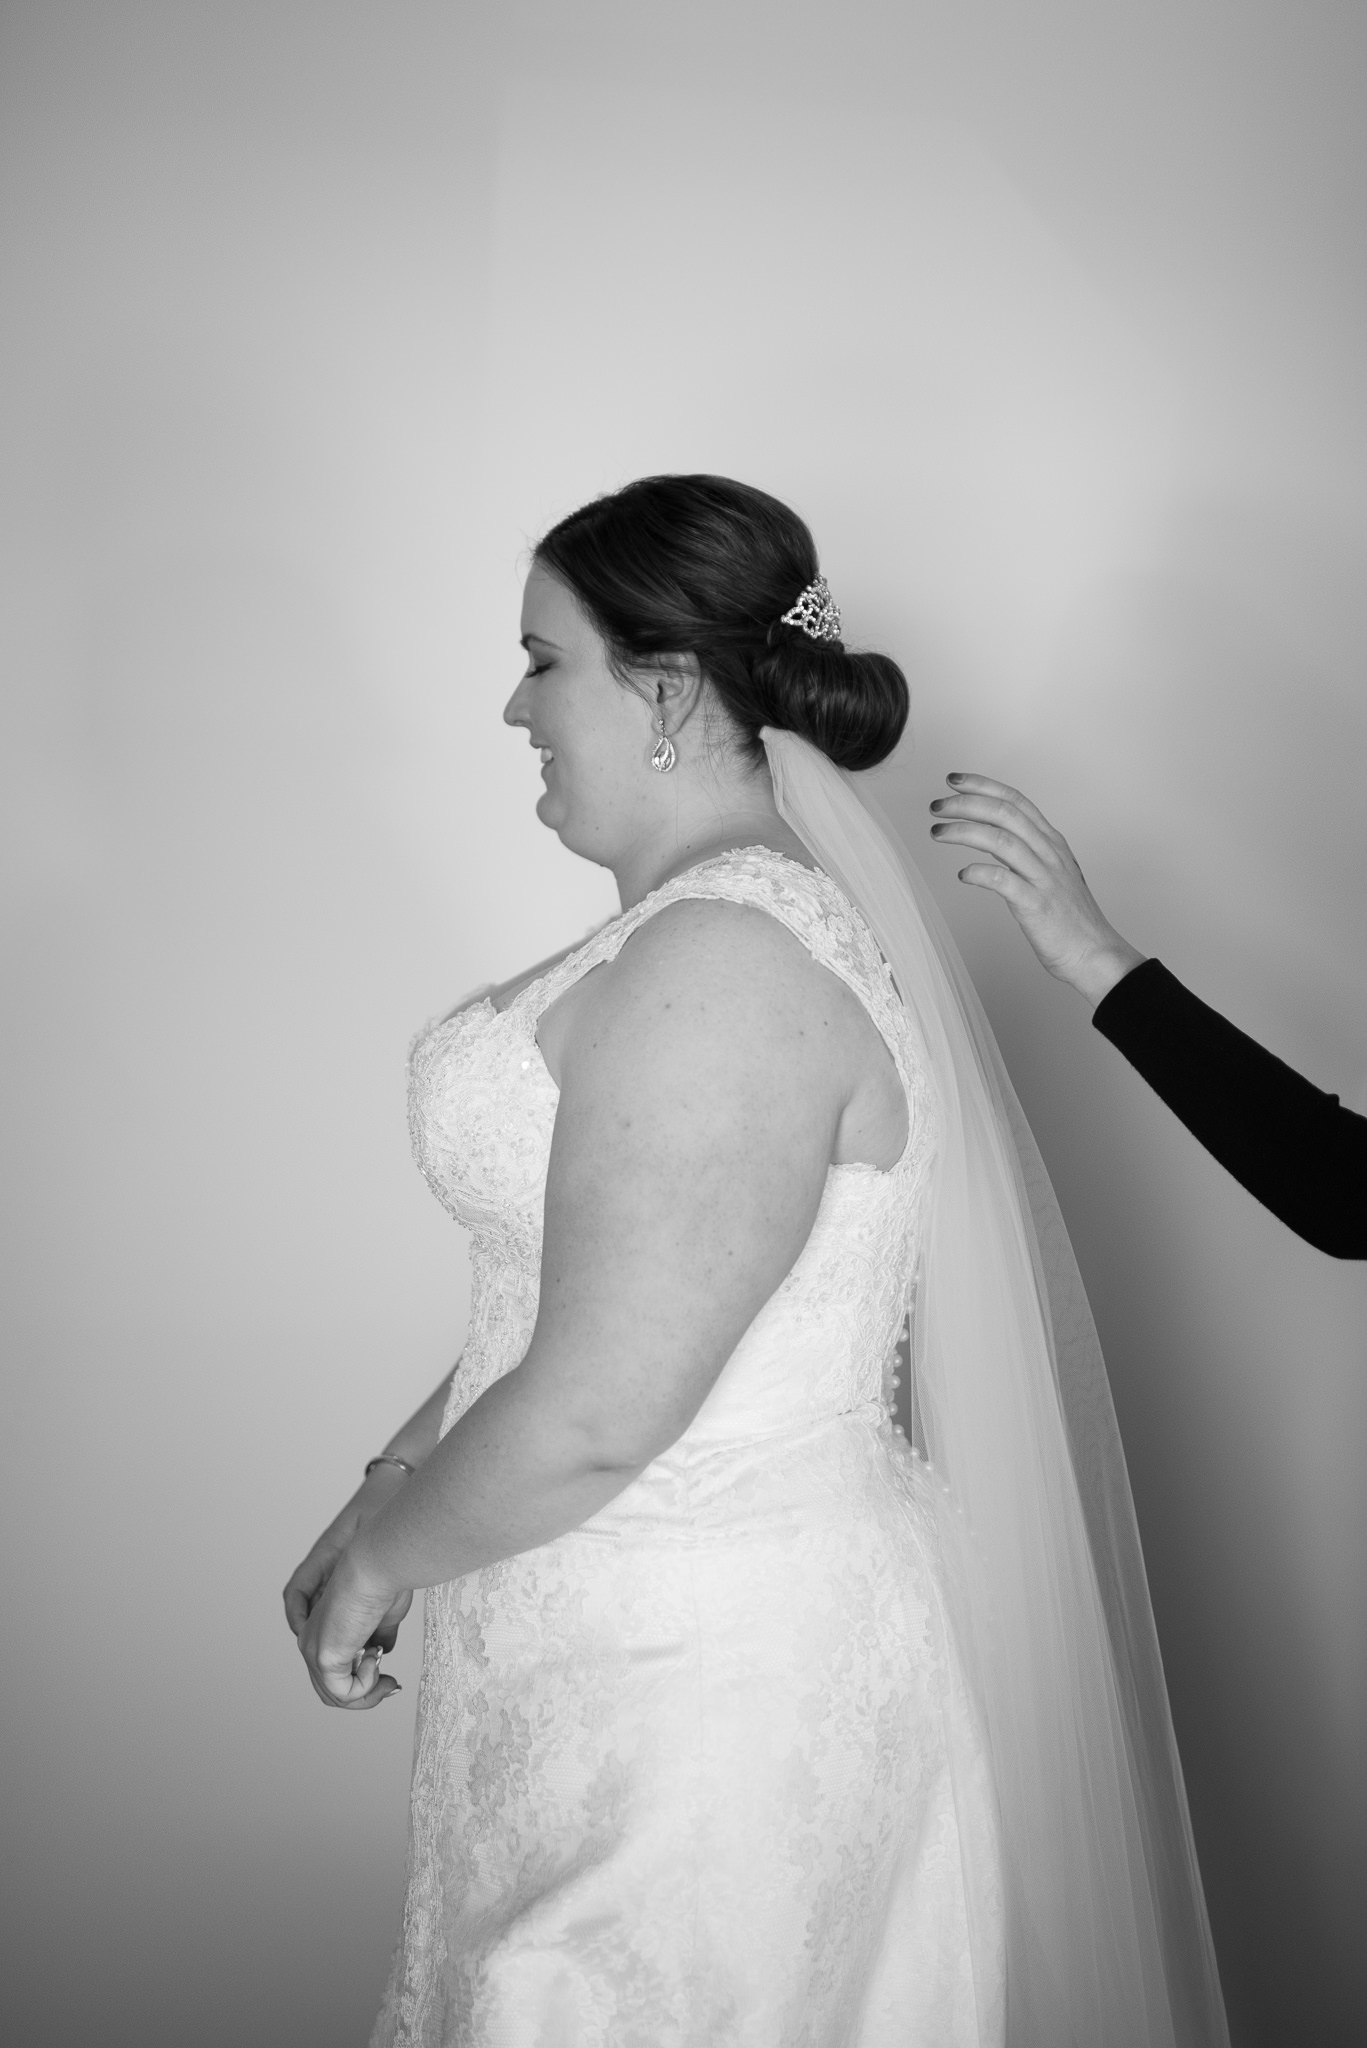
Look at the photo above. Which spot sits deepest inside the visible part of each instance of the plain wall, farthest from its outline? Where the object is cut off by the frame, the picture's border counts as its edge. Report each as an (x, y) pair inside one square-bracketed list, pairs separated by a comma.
[(1051, 319)]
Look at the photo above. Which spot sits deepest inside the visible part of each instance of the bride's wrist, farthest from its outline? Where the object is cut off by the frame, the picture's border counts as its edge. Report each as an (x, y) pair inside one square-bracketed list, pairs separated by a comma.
[(363, 1566), (382, 1480)]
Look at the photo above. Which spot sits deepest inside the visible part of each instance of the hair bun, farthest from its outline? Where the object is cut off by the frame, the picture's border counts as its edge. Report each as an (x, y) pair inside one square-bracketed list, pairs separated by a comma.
[(851, 706), (703, 565)]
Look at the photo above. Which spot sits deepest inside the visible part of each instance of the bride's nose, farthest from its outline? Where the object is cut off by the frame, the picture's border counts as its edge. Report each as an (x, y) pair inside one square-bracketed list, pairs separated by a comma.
[(515, 711)]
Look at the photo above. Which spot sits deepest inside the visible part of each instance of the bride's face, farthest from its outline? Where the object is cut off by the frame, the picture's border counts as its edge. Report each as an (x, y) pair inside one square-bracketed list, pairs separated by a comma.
[(594, 734)]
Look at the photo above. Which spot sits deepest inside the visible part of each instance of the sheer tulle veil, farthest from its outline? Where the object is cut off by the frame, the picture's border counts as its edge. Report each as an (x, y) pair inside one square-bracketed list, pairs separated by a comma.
[(1108, 1944)]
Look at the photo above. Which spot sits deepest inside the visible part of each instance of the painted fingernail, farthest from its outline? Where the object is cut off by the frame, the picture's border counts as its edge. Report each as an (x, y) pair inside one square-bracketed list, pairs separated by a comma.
[(935, 830), (956, 778), (939, 803)]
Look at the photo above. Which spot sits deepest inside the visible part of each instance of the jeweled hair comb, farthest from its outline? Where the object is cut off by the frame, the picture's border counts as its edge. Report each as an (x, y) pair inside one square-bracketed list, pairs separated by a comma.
[(816, 612)]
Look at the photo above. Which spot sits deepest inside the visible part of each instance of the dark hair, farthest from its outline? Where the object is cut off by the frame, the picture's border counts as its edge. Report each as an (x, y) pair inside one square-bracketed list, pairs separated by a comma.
[(702, 565)]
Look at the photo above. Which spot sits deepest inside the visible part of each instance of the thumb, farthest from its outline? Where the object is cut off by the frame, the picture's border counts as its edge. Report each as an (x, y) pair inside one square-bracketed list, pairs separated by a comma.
[(363, 1686)]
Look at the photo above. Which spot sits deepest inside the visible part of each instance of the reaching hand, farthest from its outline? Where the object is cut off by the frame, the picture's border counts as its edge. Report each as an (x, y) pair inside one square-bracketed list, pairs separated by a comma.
[(1033, 869)]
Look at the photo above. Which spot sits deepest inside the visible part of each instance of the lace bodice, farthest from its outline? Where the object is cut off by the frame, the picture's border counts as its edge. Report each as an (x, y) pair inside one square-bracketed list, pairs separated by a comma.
[(482, 1107)]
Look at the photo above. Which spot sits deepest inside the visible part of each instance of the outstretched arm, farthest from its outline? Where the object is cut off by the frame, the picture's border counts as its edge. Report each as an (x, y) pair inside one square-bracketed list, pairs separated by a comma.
[(1297, 1150)]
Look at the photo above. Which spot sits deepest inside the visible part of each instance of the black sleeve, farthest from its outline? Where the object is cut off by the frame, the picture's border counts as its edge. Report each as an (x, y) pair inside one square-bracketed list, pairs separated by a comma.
[(1297, 1150)]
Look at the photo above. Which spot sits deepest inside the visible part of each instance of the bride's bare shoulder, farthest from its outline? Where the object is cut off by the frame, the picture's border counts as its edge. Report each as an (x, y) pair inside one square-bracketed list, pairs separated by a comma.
[(726, 954)]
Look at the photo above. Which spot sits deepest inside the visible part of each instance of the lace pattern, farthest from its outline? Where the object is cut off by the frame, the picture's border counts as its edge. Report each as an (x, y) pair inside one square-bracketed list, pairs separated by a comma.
[(703, 1770)]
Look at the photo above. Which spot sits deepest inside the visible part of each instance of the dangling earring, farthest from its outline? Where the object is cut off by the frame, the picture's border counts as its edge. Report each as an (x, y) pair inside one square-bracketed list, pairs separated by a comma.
[(662, 760)]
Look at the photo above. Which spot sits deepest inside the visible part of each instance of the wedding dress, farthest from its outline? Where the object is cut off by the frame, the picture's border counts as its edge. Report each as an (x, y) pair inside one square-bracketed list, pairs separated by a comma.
[(704, 1771)]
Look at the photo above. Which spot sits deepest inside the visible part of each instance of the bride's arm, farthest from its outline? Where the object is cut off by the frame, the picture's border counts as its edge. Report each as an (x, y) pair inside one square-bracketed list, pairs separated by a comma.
[(414, 1443), (701, 1088)]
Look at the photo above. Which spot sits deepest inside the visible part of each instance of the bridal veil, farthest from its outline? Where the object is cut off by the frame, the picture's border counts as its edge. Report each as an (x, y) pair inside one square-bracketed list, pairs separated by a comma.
[(1107, 1942)]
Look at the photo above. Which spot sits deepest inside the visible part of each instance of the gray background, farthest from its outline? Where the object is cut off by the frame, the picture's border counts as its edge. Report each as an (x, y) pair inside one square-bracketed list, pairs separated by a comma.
[(1051, 318)]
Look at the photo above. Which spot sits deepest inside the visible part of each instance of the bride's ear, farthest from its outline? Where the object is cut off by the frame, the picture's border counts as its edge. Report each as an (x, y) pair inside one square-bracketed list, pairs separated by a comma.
[(674, 682)]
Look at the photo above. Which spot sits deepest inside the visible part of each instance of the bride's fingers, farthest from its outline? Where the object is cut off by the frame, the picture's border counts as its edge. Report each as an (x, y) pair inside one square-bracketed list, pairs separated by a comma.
[(386, 1629), (368, 1686), (358, 1685), (299, 1596), (354, 1697), (383, 1689), (366, 1675)]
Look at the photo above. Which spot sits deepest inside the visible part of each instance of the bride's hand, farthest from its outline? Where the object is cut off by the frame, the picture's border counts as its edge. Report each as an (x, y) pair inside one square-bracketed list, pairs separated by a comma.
[(1033, 868), (344, 1636), (309, 1578)]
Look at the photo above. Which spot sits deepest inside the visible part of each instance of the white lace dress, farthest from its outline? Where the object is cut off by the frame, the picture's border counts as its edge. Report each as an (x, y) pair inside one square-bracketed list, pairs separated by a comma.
[(700, 1773)]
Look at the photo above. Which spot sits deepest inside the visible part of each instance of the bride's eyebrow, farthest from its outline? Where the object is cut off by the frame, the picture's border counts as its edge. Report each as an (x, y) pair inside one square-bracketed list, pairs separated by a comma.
[(540, 640)]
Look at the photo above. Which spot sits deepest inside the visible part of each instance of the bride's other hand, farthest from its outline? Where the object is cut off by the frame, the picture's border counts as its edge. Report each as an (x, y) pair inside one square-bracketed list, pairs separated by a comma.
[(345, 1634), (308, 1580), (1032, 867)]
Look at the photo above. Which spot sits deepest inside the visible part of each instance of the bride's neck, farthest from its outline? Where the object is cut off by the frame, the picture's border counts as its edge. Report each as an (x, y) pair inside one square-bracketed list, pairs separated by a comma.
[(734, 818)]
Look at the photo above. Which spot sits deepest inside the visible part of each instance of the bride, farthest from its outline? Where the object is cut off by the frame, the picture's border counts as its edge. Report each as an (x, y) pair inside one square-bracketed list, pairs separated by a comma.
[(743, 1720)]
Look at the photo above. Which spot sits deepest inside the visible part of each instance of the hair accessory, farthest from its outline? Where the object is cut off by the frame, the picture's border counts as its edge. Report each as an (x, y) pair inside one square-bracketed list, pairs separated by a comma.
[(388, 1458), (816, 612), (663, 758)]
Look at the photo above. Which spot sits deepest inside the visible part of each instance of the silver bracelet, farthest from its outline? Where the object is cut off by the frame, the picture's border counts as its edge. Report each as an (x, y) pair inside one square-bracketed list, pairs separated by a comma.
[(388, 1458)]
